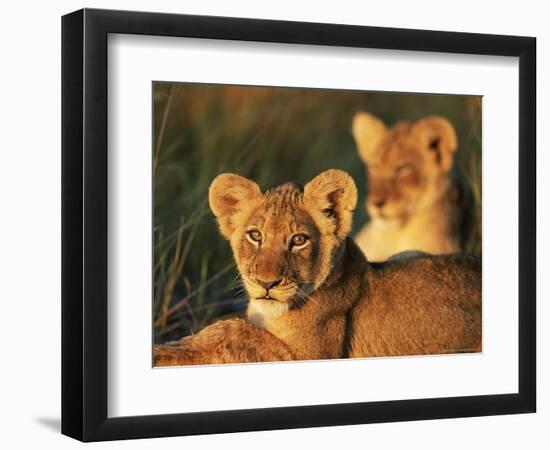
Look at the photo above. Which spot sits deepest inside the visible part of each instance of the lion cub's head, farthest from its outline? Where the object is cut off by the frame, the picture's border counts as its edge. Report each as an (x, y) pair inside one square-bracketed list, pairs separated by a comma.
[(406, 163), (285, 239)]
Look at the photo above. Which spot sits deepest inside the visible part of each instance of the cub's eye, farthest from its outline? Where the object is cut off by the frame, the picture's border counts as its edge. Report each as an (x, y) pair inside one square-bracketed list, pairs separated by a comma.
[(254, 235), (403, 170), (299, 239)]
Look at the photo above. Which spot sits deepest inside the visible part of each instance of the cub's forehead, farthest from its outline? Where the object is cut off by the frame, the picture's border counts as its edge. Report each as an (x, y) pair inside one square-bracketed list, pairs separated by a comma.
[(282, 209), (398, 143), (288, 195)]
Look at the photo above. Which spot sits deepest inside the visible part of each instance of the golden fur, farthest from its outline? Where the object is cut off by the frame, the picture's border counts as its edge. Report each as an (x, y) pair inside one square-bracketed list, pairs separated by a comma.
[(409, 186), (318, 297)]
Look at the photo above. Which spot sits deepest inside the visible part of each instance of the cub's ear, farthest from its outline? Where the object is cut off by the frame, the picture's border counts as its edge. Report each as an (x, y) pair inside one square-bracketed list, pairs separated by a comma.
[(439, 136), (331, 198), (228, 195), (368, 131)]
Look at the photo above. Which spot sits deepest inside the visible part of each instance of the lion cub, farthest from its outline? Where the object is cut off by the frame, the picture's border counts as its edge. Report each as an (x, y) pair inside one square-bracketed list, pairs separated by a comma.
[(408, 185), (312, 293)]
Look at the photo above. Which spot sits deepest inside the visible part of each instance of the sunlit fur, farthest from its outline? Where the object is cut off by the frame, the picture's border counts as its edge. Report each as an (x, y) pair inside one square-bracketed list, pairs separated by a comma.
[(330, 302), (279, 214), (409, 186)]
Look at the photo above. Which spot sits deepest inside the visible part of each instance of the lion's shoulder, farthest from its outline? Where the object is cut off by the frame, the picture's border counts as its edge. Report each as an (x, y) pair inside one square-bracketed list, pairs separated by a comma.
[(413, 272)]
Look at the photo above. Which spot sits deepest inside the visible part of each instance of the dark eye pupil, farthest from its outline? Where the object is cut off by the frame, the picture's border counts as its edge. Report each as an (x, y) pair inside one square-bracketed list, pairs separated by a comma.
[(299, 239), (255, 235)]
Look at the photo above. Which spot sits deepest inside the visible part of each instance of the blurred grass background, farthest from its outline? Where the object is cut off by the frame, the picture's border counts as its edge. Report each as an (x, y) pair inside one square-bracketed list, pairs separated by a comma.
[(270, 135)]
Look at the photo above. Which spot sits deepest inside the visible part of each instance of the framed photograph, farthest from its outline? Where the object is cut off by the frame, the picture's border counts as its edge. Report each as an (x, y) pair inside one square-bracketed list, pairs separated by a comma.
[(273, 224)]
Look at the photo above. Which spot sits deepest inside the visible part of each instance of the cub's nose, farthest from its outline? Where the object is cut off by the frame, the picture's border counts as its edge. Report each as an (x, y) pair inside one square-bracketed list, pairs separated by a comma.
[(379, 202), (267, 285)]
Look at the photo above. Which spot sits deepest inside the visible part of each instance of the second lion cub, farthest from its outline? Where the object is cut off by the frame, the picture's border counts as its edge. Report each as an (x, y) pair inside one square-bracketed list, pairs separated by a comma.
[(409, 185)]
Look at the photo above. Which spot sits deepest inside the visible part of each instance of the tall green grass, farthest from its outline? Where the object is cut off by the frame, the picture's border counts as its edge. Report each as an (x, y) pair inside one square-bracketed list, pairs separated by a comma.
[(271, 135)]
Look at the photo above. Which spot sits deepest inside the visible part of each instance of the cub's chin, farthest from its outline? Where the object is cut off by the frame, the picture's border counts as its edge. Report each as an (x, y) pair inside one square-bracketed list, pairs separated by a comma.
[(261, 310), (263, 306)]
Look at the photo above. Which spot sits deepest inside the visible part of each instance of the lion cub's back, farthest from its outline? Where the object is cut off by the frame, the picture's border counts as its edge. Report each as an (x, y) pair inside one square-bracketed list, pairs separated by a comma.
[(423, 305)]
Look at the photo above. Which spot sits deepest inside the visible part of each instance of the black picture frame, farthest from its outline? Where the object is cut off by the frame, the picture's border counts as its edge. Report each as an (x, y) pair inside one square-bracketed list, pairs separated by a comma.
[(84, 224)]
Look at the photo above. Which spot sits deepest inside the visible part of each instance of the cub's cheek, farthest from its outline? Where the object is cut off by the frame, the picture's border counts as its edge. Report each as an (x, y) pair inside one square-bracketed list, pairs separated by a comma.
[(253, 291), (242, 251)]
